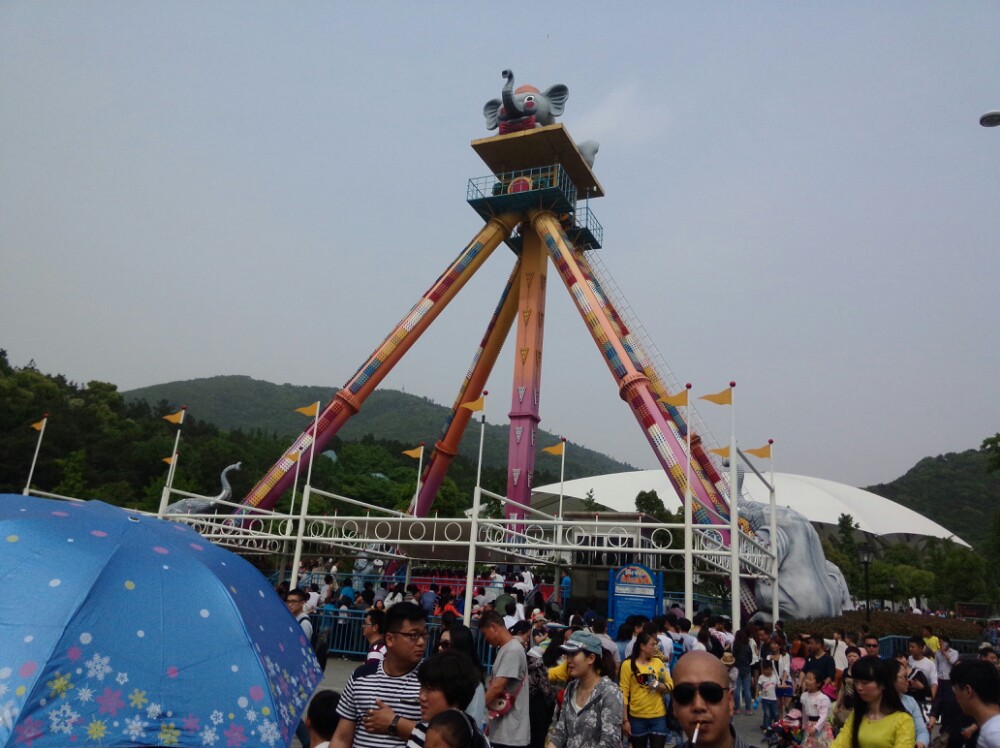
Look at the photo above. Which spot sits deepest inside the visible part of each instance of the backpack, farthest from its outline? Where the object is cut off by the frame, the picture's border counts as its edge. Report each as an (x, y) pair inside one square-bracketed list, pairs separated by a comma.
[(678, 651)]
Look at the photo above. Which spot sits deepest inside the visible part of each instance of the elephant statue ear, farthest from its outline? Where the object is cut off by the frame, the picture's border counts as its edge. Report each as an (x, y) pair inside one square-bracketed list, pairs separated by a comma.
[(557, 96), (492, 113)]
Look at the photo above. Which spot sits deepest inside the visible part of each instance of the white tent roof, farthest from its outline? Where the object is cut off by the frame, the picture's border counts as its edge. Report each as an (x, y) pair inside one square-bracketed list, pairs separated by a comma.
[(821, 501)]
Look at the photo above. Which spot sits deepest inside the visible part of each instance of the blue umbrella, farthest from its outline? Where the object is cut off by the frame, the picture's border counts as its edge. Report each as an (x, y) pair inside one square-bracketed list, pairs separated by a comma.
[(118, 629)]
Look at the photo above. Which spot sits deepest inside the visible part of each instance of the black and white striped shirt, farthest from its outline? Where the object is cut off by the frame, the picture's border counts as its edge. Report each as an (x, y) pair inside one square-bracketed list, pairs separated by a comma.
[(370, 682)]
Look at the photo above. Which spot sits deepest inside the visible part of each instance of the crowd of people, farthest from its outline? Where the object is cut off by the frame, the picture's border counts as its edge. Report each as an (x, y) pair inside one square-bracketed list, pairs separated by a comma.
[(564, 683)]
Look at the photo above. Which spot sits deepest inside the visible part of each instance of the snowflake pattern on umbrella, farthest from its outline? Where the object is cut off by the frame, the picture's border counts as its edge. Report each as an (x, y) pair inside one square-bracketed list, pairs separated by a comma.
[(144, 634)]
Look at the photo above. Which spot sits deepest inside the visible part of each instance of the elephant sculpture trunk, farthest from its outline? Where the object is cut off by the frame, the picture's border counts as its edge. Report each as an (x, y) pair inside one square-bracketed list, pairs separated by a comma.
[(507, 95), (206, 505)]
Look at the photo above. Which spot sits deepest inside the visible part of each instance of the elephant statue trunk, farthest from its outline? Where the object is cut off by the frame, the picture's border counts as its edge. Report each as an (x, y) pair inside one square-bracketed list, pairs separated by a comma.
[(227, 490), (507, 95), (205, 505)]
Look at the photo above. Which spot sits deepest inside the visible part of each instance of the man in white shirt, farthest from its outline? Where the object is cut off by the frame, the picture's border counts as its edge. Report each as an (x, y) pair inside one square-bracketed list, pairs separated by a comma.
[(976, 684), (944, 659), (920, 664)]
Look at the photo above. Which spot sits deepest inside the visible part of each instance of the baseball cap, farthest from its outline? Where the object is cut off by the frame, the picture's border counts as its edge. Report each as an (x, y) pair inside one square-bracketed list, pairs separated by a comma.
[(582, 641)]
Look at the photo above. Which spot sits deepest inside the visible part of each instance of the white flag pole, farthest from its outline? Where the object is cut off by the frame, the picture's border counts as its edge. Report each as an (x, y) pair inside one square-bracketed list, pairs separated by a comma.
[(774, 536), (474, 521), (559, 527), (734, 516), (688, 523), (34, 460), (304, 510), (171, 471), (312, 447), (295, 483), (420, 472)]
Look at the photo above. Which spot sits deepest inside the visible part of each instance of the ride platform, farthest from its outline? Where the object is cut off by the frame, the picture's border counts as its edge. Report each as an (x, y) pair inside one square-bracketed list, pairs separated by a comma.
[(542, 146)]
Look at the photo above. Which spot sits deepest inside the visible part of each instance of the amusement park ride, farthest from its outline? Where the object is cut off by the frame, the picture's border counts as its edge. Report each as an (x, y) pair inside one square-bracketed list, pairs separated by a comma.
[(537, 200)]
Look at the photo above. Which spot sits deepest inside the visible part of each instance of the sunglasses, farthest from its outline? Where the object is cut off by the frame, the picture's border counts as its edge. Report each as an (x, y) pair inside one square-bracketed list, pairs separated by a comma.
[(684, 693)]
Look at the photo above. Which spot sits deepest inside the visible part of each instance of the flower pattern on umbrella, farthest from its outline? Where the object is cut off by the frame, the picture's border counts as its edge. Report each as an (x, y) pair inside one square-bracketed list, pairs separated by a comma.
[(121, 629)]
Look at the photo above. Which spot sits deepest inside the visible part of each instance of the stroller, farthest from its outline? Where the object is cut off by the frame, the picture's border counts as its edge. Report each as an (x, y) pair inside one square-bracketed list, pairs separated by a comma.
[(787, 732)]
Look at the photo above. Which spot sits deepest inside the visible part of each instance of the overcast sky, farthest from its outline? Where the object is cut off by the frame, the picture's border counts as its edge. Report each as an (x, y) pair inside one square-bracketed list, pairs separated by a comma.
[(799, 197)]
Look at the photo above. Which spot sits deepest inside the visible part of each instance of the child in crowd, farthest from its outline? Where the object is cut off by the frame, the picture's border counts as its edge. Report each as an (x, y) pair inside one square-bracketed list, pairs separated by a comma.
[(816, 714), (730, 662), (322, 719), (767, 685), (453, 728)]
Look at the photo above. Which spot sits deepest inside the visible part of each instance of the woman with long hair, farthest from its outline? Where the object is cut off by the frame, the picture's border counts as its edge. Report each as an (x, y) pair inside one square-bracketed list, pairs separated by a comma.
[(781, 663), (459, 638), (592, 711), (644, 680), (395, 596), (879, 719), (624, 636)]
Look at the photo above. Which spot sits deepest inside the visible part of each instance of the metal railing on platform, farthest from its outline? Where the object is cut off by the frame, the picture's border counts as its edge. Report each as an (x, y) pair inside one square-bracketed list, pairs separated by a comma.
[(341, 629)]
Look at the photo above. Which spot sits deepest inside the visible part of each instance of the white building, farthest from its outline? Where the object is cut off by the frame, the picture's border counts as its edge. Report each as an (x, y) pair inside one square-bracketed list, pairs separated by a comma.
[(821, 501)]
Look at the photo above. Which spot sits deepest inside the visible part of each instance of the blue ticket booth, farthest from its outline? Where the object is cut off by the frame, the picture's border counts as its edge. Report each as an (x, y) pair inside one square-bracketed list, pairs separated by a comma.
[(633, 590)]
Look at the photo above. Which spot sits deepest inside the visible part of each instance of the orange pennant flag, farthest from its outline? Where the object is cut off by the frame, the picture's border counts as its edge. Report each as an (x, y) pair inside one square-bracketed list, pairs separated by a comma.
[(555, 449), (721, 451), (475, 405), (169, 460), (720, 398), (294, 456), (679, 400), (763, 452), (38, 426), (177, 417), (309, 410), (414, 453)]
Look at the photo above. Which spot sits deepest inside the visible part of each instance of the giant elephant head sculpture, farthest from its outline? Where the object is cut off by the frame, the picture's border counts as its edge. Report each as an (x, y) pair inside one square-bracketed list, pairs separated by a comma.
[(525, 108)]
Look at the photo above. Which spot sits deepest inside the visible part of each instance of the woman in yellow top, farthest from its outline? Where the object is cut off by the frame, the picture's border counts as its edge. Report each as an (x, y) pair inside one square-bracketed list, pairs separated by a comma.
[(644, 681), (879, 719)]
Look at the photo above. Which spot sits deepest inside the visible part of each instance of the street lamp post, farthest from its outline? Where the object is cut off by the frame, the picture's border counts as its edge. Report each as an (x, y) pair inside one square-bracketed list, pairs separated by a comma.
[(892, 593), (867, 554), (990, 119)]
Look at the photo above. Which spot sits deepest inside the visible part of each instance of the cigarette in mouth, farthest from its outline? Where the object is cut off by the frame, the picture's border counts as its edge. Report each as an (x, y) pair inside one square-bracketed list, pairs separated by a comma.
[(694, 738)]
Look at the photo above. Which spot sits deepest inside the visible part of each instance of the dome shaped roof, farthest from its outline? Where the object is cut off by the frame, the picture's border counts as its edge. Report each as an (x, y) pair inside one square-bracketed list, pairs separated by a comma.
[(821, 501)]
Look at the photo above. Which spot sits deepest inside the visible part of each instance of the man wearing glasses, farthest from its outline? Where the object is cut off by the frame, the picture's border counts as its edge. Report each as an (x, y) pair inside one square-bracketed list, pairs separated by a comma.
[(703, 703), (871, 645), (296, 602), (381, 702)]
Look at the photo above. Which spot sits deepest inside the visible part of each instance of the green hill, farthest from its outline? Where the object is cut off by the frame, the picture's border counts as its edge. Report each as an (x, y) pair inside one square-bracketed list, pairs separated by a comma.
[(956, 490), (239, 402)]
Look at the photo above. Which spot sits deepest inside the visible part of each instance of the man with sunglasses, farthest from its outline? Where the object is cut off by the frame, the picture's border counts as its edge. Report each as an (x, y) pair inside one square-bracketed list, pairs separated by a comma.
[(381, 702), (871, 645), (703, 703)]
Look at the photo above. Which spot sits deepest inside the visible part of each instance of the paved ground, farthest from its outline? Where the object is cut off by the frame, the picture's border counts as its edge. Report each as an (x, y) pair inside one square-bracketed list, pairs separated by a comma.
[(338, 671)]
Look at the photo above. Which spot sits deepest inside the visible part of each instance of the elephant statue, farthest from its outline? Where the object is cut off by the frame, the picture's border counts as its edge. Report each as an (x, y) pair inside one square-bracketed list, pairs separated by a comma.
[(528, 108), (525, 108), (205, 506), (809, 586)]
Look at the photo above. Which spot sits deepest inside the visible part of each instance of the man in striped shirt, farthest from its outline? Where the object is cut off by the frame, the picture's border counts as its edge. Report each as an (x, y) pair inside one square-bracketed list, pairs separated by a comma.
[(381, 702)]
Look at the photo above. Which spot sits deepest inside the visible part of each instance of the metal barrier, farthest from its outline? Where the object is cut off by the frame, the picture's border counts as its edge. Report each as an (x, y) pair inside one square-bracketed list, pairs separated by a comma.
[(342, 630), (890, 646)]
